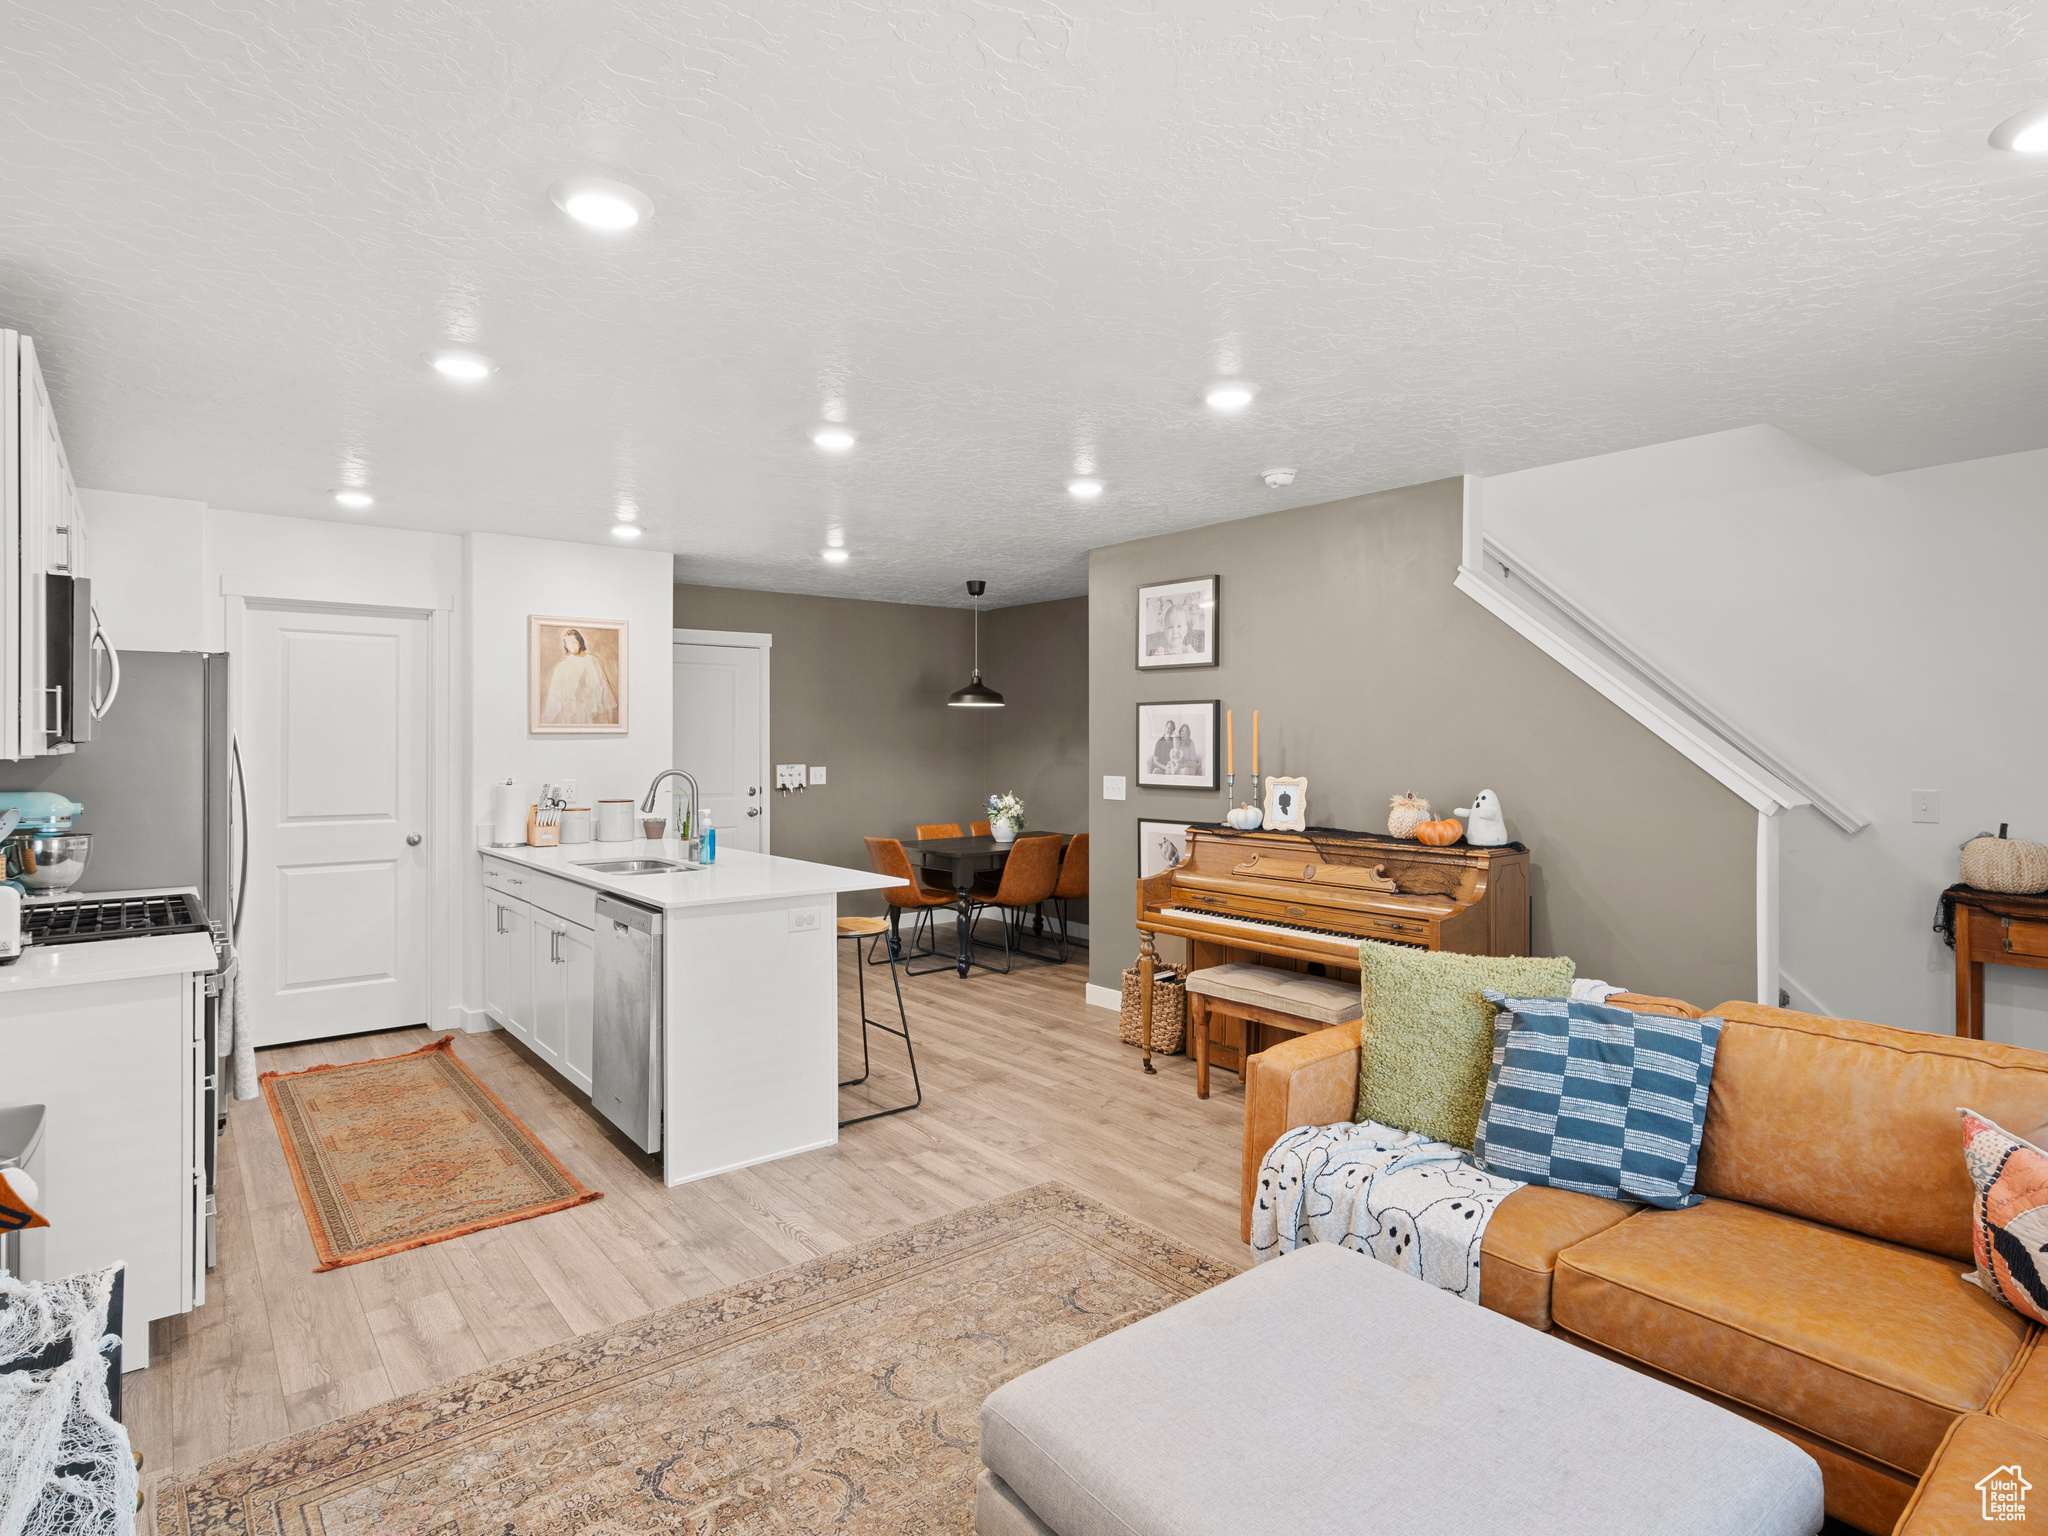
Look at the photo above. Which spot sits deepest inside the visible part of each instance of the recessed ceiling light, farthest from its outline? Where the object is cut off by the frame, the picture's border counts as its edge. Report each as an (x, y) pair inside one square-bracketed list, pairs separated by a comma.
[(463, 367), (1230, 395), (834, 439), (355, 501), (597, 203), (833, 556), (1084, 490), (625, 531), (2024, 132), (1279, 479)]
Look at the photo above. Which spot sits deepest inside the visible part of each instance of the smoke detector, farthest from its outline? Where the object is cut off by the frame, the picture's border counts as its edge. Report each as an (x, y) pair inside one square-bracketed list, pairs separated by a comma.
[(1279, 479)]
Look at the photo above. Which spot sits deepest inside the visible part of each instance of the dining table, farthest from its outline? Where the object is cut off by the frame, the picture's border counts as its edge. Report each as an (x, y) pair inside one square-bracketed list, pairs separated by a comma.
[(960, 859)]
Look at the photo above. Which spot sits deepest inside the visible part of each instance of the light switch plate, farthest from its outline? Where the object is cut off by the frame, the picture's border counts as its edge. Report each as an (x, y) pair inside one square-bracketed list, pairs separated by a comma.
[(803, 920), (1112, 786), (789, 775), (817, 773), (1926, 805)]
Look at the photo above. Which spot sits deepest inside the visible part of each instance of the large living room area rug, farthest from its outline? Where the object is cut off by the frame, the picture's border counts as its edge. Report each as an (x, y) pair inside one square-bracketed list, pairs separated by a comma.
[(408, 1150), (842, 1395)]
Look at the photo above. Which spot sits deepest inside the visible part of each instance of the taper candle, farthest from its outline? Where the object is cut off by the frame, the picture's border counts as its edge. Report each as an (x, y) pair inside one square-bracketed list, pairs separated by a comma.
[(1255, 743), (1229, 743)]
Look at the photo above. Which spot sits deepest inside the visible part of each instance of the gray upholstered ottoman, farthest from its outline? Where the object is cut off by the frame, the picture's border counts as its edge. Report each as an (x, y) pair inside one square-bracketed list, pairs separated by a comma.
[(1326, 1392)]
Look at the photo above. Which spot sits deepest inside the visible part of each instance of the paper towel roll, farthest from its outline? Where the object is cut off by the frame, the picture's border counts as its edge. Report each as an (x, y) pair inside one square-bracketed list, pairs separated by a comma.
[(509, 804)]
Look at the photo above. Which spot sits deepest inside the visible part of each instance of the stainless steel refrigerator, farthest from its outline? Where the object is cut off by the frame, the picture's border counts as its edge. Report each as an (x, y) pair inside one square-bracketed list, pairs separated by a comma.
[(155, 780)]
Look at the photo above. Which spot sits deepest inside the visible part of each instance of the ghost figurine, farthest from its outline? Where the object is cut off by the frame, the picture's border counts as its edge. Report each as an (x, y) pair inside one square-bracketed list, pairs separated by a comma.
[(1486, 827)]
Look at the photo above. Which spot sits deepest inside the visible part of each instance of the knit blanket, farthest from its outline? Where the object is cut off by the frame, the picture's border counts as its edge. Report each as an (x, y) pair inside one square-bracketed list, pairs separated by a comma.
[(1416, 1204)]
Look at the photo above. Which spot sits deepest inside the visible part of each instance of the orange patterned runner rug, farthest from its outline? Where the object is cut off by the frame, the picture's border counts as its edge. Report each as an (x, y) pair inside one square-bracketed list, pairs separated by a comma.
[(839, 1396), (408, 1150)]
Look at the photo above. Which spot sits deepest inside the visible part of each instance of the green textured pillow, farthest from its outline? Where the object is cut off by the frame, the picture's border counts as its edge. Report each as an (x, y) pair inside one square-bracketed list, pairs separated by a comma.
[(1426, 1042)]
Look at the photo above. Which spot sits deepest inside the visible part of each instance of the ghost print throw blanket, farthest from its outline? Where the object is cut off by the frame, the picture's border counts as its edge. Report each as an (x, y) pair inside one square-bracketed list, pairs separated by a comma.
[(1416, 1204)]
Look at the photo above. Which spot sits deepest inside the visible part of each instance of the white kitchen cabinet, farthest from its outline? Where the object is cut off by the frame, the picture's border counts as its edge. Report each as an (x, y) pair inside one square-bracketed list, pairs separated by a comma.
[(540, 967), (42, 533), (508, 964), (110, 1038)]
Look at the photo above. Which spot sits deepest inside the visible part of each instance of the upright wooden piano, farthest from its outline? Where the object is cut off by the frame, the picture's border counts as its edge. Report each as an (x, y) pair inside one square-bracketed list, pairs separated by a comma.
[(1305, 900)]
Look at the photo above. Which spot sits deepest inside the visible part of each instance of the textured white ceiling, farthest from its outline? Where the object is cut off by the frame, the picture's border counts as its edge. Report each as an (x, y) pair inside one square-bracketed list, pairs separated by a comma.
[(1440, 238)]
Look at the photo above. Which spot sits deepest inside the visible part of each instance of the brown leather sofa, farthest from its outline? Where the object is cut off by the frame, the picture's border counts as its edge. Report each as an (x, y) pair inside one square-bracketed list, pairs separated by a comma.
[(1816, 1290)]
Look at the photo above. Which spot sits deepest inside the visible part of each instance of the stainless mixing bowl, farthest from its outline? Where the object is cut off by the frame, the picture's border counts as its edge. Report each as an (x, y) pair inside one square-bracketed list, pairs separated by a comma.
[(48, 862)]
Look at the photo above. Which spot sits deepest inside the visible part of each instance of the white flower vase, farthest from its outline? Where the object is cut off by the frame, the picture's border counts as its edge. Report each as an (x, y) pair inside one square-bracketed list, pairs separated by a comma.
[(1003, 831)]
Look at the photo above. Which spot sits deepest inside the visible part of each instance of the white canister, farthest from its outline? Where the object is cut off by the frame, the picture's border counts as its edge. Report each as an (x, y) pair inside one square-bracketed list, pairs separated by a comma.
[(615, 821), (576, 824)]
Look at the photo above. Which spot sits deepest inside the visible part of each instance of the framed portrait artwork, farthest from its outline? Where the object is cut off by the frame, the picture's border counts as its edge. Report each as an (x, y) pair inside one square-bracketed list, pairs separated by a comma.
[(1161, 845), (575, 676), (1177, 744), (1177, 624), (1286, 804)]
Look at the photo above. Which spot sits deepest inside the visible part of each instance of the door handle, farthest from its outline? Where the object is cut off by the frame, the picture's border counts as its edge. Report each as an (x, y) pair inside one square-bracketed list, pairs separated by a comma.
[(554, 946), (753, 790), (413, 840), (753, 810), (501, 919)]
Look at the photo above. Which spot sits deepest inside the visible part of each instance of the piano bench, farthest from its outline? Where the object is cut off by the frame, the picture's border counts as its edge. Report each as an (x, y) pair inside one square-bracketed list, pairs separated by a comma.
[(1287, 1001)]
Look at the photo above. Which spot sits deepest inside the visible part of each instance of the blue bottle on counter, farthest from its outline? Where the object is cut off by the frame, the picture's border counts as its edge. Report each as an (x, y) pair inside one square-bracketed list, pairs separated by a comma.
[(710, 839)]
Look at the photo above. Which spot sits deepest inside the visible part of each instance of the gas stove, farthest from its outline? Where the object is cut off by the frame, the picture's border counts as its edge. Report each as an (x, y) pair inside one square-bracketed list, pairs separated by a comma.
[(88, 919)]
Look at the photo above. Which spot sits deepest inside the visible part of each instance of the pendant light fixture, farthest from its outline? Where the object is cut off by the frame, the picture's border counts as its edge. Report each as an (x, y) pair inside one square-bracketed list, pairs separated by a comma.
[(977, 694)]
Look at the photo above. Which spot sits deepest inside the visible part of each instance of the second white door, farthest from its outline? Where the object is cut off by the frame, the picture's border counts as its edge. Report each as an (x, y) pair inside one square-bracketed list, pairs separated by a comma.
[(334, 753), (721, 738)]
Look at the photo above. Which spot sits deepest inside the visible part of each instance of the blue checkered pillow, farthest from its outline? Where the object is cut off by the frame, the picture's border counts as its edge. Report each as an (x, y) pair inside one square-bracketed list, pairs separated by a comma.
[(1597, 1099)]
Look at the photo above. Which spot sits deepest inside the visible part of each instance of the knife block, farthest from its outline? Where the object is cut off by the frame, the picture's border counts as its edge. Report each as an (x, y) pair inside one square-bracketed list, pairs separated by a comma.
[(540, 834)]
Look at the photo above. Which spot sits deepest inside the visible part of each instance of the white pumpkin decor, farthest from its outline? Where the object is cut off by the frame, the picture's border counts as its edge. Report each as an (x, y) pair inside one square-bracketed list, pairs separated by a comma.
[(2011, 866), (1245, 818), (1409, 812), (1485, 827)]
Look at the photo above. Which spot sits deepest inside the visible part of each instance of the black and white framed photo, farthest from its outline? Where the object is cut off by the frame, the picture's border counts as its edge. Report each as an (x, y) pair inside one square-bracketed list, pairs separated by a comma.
[(1177, 624), (1162, 845), (1286, 804), (1177, 744)]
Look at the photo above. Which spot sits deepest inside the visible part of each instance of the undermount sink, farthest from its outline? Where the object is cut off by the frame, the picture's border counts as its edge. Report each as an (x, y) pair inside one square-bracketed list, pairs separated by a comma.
[(635, 866)]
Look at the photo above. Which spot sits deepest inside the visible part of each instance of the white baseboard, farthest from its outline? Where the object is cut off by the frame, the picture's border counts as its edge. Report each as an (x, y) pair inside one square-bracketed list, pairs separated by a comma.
[(1111, 998), (473, 1021), (1801, 999)]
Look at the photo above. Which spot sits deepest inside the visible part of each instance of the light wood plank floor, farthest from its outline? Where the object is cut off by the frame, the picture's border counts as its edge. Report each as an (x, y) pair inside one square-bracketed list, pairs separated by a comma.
[(1024, 1082)]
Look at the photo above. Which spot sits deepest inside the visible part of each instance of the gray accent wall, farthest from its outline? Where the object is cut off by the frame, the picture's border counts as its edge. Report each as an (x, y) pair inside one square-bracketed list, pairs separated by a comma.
[(861, 687), (1373, 677)]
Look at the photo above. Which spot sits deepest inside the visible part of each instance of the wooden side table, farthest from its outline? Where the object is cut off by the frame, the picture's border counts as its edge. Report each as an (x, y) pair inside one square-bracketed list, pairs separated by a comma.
[(1993, 930)]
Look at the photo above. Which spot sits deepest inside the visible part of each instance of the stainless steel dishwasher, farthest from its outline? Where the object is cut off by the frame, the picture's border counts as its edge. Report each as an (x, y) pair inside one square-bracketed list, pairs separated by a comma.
[(625, 1050)]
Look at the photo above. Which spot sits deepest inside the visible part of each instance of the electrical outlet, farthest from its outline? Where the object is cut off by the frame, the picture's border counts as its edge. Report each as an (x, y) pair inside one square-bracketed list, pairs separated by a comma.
[(789, 776), (803, 919), (1112, 786), (817, 773), (1926, 805)]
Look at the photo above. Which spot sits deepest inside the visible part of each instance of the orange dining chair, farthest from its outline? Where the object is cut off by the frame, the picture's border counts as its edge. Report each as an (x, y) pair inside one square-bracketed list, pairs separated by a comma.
[(1028, 879), (887, 857), (1073, 882), (937, 829), (978, 828)]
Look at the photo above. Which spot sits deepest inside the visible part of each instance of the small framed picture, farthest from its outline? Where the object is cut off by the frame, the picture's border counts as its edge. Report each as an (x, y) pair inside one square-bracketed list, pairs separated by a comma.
[(1177, 744), (1161, 845), (1286, 804), (1177, 624), (575, 676)]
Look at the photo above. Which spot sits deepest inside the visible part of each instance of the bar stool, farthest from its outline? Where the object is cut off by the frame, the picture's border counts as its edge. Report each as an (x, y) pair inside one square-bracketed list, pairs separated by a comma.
[(856, 929)]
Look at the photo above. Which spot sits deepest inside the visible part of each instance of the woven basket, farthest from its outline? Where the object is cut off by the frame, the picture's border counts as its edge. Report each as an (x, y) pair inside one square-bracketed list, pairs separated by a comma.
[(1169, 1011)]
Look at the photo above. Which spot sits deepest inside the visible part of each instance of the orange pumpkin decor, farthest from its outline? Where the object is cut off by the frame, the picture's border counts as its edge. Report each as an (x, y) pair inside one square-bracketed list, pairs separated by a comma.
[(1440, 834)]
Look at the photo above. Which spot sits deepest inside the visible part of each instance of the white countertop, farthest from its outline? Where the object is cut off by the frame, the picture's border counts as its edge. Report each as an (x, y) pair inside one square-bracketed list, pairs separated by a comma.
[(60, 965), (734, 876)]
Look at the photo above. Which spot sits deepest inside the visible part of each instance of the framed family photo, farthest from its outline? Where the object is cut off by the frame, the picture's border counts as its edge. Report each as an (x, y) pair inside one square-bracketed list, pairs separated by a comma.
[(1161, 845), (575, 676), (1177, 624), (1177, 744)]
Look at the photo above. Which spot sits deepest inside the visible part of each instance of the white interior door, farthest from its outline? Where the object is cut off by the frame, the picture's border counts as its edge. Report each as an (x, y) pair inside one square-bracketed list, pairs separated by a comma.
[(334, 744), (722, 737)]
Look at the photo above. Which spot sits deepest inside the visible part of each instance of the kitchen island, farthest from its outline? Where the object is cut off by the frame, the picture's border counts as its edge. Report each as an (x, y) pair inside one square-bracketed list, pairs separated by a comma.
[(746, 1042)]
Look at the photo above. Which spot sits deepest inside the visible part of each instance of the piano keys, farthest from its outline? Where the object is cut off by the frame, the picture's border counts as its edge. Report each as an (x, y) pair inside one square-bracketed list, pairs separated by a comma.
[(1308, 899)]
